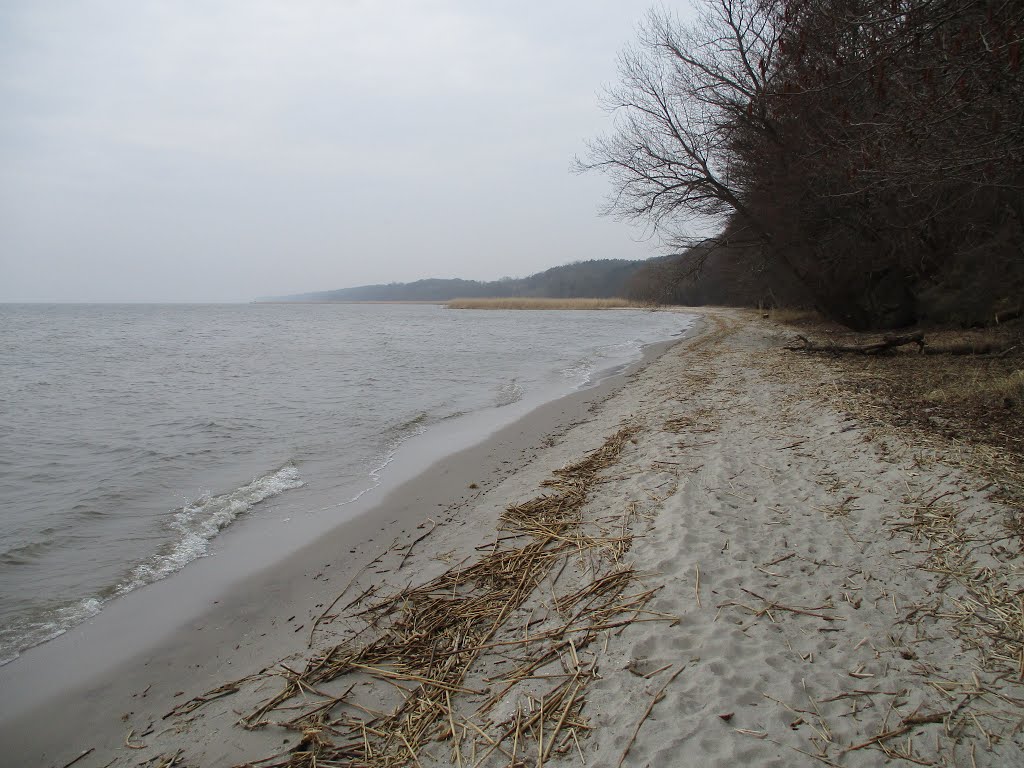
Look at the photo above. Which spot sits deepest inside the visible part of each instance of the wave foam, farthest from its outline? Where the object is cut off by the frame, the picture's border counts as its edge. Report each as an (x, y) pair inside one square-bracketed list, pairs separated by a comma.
[(199, 521), (16, 638), (508, 393), (579, 372), (196, 523)]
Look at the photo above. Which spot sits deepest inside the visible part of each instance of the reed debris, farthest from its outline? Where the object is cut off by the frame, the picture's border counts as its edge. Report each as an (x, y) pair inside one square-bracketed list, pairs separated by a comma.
[(487, 663)]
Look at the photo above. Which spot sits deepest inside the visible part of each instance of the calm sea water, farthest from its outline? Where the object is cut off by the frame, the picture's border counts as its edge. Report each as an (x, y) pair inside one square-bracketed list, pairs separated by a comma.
[(132, 435)]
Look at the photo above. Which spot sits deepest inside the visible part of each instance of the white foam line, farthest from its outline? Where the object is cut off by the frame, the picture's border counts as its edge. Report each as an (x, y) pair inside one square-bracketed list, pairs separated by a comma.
[(198, 522)]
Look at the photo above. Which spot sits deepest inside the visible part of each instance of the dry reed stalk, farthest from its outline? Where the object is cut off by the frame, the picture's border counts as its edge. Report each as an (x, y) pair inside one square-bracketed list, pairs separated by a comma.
[(83, 755), (696, 586), (988, 611), (195, 703)]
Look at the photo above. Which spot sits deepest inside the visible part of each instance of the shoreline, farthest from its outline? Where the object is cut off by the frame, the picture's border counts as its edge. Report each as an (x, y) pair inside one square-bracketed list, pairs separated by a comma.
[(155, 630), (716, 563), (295, 471)]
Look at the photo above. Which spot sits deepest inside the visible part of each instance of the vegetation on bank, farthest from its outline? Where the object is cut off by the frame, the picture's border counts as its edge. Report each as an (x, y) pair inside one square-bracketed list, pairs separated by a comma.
[(514, 303), (860, 156)]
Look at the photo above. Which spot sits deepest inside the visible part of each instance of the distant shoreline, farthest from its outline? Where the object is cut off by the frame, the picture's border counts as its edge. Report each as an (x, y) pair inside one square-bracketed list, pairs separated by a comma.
[(356, 301), (495, 302), (516, 302), (498, 302)]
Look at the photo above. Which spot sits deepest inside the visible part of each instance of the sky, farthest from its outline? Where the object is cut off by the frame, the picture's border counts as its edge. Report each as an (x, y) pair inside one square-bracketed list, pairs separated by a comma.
[(219, 150)]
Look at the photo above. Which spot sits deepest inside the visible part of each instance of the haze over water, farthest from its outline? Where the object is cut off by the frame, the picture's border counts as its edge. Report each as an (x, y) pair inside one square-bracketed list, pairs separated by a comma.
[(133, 434)]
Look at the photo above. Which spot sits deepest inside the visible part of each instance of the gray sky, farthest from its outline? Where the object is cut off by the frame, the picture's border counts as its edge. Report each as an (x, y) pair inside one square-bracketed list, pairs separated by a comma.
[(216, 150)]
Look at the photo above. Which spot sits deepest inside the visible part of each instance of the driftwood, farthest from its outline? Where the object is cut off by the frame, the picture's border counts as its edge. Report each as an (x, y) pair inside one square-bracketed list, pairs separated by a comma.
[(871, 348), (891, 342)]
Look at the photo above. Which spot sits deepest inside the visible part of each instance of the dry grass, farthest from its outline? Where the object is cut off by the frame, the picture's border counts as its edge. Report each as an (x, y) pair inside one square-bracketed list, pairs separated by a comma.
[(991, 388), (525, 303), (968, 387), (967, 399), (790, 316)]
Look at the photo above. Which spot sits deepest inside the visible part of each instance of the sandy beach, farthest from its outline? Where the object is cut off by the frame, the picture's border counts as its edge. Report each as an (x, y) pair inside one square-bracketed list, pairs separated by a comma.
[(714, 560)]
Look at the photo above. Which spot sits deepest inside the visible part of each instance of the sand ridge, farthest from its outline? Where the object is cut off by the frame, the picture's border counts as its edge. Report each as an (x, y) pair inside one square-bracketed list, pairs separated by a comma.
[(748, 575)]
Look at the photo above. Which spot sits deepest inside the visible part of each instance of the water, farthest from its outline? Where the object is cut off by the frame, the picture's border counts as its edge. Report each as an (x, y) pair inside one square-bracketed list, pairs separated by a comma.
[(132, 435)]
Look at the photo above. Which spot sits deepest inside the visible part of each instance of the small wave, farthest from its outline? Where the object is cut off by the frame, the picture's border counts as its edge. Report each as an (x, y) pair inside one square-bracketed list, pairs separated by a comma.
[(395, 437), (632, 346), (226, 427), (415, 424), (508, 393), (22, 635), (392, 439), (198, 522), (579, 373), (601, 361), (23, 554)]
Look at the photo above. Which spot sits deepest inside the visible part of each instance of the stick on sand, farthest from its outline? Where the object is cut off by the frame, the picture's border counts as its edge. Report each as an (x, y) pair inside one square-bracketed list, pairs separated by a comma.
[(657, 697)]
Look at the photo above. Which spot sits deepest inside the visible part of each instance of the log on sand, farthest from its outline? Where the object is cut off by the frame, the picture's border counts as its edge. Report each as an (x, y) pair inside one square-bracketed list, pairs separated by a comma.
[(870, 348)]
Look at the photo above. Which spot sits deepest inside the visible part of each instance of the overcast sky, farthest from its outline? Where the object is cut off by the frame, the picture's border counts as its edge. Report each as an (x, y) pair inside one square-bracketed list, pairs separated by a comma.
[(217, 150)]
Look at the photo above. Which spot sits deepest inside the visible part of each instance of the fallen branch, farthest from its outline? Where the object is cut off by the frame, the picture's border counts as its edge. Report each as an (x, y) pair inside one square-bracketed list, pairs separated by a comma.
[(908, 723), (872, 348)]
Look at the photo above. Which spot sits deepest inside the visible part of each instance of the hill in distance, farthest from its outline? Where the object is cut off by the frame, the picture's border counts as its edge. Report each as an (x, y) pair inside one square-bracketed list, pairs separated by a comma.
[(599, 279)]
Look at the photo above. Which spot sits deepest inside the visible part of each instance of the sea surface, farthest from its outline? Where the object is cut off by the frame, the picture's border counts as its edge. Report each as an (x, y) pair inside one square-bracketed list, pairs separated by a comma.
[(131, 436)]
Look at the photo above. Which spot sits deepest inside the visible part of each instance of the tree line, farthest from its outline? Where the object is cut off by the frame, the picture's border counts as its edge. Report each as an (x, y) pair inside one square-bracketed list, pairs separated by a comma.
[(596, 278), (863, 156)]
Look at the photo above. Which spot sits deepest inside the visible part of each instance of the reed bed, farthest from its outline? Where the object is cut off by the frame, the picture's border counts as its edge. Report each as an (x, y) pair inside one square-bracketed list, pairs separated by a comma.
[(486, 664), (527, 303)]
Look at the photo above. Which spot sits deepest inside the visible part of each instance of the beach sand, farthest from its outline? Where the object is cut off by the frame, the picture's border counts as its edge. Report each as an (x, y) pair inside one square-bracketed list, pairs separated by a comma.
[(715, 563)]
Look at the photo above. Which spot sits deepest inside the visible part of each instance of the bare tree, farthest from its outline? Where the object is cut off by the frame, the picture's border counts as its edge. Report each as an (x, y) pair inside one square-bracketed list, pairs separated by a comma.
[(873, 148), (687, 94)]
